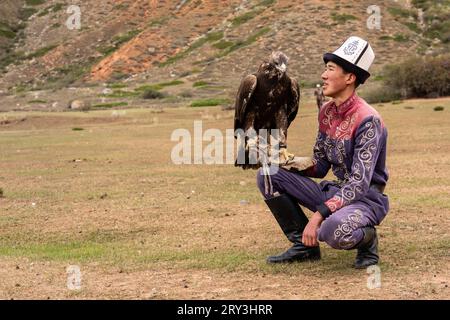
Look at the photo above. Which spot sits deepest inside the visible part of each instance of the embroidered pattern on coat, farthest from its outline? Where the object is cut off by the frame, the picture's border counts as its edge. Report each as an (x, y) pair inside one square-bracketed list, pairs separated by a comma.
[(344, 232), (360, 168)]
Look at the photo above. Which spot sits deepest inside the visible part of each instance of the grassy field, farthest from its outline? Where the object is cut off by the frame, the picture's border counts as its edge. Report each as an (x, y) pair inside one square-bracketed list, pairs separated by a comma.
[(98, 190)]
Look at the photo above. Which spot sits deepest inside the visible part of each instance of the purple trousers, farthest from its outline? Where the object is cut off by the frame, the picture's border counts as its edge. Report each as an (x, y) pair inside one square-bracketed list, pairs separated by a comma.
[(342, 229)]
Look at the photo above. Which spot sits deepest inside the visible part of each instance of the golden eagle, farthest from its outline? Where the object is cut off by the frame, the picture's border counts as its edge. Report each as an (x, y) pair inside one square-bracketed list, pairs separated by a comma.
[(268, 100)]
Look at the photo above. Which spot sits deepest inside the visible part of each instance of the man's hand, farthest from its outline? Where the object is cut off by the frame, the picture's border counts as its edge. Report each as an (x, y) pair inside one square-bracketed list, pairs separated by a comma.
[(309, 238)]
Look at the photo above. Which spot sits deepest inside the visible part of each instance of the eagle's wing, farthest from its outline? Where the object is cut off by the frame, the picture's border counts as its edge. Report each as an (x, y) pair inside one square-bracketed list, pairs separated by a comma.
[(243, 96), (293, 101)]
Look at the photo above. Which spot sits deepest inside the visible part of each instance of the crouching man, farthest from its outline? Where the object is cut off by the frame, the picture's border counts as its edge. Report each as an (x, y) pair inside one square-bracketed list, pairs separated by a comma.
[(351, 141)]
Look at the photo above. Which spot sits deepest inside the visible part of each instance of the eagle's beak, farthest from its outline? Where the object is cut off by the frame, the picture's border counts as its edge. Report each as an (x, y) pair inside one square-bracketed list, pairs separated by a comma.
[(282, 68)]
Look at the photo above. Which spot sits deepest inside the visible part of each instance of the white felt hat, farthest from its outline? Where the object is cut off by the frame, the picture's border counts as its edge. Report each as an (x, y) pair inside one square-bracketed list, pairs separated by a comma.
[(355, 56)]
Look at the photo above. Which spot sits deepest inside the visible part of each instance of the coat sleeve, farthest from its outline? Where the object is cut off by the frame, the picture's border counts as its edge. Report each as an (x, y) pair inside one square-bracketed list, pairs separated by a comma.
[(321, 165), (368, 144)]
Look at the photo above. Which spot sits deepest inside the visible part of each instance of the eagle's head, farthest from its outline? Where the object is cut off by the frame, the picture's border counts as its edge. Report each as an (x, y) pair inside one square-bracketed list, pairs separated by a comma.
[(279, 60), (276, 66)]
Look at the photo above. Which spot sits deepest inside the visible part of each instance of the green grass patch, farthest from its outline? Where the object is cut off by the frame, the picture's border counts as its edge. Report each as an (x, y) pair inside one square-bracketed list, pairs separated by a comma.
[(400, 12), (77, 129), (7, 31), (121, 94), (342, 18), (25, 13), (401, 37), (244, 43), (378, 78), (34, 2), (53, 8), (40, 52), (439, 29), (385, 38), (170, 83), (148, 87), (137, 91), (239, 20), (200, 84), (121, 6), (412, 26), (158, 86), (209, 102), (117, 41), (222, 44), (64, 251), (107, 50), (37, 101), (19, 56), (159, 22), (309, 84), (266, 3), (7, 34), (122, 38), (65, 76), (210, 37), (109, 105), (116, 85)]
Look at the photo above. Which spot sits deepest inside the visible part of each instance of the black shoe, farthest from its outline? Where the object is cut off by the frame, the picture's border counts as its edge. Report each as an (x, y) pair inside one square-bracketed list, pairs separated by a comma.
[(367, 249), (292, 221), (297, 253)]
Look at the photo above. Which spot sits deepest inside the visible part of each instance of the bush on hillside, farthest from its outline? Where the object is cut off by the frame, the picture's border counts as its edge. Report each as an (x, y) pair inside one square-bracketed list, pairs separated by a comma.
[(420, 77)]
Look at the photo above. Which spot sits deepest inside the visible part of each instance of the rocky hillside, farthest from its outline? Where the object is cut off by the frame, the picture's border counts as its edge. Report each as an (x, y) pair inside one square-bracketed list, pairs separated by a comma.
[(215, 41)]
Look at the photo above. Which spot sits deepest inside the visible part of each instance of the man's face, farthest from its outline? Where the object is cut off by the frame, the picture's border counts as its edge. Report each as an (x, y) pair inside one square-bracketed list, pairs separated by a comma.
[(334, 79)]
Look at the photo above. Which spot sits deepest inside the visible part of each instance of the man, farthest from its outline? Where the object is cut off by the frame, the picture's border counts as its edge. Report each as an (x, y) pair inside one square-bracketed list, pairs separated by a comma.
[(352, 142), (320, 98)]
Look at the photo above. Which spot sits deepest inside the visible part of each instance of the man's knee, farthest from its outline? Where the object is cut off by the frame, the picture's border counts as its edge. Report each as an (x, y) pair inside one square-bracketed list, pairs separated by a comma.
[(326, 231), (338, 234)]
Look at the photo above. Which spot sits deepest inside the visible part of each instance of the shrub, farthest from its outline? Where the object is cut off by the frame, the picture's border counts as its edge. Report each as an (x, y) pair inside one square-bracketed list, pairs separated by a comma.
[(152, 94), (420, 76), (186, 94), (381, 94)]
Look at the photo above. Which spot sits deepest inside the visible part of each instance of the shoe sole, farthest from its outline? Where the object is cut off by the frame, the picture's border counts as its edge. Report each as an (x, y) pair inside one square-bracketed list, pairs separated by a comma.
[(364, 266), (294, 260)]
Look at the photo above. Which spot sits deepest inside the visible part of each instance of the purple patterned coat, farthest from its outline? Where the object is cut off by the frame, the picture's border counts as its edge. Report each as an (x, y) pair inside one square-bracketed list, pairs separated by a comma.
[(352, 142)]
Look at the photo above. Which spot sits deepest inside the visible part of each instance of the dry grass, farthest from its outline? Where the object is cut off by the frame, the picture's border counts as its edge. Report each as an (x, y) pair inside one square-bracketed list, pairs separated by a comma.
[(108, 199)]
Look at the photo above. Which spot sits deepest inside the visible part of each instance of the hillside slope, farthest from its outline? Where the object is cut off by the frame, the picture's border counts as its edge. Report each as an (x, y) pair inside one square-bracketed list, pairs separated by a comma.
[(218, 40)]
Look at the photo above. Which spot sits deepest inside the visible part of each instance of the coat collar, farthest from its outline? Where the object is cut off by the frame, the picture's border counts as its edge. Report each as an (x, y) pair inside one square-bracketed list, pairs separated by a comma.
[(346, 105)]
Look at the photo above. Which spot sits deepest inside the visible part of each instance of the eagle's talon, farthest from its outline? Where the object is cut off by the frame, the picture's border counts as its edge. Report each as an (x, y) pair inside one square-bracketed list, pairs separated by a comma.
[(285, 156)]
